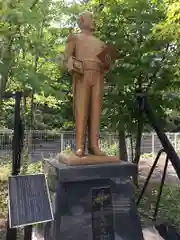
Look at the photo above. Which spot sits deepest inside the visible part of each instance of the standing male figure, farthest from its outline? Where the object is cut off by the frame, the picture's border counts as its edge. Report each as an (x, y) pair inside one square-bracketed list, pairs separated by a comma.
[(88, 84)]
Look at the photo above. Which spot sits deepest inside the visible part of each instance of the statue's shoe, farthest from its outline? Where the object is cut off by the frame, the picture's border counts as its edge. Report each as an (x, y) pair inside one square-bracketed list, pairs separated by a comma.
[(79, 152)]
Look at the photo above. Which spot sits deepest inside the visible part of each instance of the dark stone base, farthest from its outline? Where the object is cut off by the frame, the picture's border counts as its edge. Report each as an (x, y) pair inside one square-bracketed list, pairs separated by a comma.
[(73, 201)]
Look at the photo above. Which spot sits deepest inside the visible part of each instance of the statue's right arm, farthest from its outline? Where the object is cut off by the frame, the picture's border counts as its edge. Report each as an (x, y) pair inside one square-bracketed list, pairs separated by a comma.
[(69, 52)]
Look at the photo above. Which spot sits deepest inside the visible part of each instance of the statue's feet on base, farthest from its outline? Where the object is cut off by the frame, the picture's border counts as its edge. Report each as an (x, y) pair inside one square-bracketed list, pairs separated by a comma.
[(86, 159), (80, 152), (96, 151)]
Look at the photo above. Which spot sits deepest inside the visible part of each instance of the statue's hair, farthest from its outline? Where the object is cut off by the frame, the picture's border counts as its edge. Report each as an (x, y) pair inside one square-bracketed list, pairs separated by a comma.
[(83, 14)]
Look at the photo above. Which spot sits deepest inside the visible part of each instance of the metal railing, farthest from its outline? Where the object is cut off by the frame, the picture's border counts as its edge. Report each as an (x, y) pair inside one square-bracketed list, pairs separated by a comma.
[(48, 142)]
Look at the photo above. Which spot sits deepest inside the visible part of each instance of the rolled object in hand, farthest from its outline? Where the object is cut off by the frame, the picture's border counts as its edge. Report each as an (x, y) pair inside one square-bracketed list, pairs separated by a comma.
[(108, 55)]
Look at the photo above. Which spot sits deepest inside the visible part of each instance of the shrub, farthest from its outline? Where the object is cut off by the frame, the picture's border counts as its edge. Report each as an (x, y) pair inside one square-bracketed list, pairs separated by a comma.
[(169, 208), (5, 172), (111, 150)]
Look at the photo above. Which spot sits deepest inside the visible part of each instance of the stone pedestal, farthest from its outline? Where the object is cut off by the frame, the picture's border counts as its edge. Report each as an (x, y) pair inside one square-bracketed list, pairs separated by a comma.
[(71, 194)]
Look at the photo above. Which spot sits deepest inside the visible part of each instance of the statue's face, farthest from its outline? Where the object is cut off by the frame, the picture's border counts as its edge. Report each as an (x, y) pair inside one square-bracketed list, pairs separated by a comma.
[(86, 22)]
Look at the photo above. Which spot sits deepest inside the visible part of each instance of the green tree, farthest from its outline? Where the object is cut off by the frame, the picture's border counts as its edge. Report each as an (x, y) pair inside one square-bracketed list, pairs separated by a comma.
[(144, 60), (30, 52)]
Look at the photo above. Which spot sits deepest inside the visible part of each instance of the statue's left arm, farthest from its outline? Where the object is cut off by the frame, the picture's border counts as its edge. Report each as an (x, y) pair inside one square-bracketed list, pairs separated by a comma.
[(69, 52), (105, 58)]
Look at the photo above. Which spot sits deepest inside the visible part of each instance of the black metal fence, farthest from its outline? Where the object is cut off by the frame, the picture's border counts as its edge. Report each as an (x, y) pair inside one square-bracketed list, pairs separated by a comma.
[(47, 143)]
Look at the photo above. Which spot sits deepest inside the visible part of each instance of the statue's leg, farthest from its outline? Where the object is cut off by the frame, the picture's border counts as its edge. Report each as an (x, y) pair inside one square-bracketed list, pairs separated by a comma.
[(95, 112), (81, 114)]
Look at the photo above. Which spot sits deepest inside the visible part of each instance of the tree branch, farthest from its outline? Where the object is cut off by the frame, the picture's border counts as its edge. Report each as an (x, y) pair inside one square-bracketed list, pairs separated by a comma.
[(34, 4), (157, 70)]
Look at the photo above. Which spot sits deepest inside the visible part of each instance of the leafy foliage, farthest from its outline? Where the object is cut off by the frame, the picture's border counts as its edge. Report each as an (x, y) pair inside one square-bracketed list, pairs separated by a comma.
[(167, 210), (145, 60), (30, 56), (146, 33)]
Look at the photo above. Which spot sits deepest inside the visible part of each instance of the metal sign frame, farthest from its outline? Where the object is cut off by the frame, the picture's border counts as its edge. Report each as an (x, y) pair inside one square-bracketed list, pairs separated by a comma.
[(9, 203)]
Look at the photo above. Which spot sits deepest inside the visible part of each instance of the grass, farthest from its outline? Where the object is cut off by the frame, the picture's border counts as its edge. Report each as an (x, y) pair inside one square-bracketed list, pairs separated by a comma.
[(5, 172), (3, 199), (169, 208)]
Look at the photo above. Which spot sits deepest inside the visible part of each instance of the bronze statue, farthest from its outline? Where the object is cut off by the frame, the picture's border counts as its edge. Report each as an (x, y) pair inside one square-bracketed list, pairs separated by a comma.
[(83, 60)]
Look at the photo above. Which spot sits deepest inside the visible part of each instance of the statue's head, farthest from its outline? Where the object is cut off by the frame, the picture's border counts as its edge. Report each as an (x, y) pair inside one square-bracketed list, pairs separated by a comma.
[(86, 21)]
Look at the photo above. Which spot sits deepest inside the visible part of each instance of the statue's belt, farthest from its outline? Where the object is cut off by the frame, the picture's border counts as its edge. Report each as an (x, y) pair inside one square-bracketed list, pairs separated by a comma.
[(92, 65)]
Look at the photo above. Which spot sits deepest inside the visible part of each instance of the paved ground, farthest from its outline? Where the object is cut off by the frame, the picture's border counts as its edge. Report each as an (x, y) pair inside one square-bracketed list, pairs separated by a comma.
[(145, 166)]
